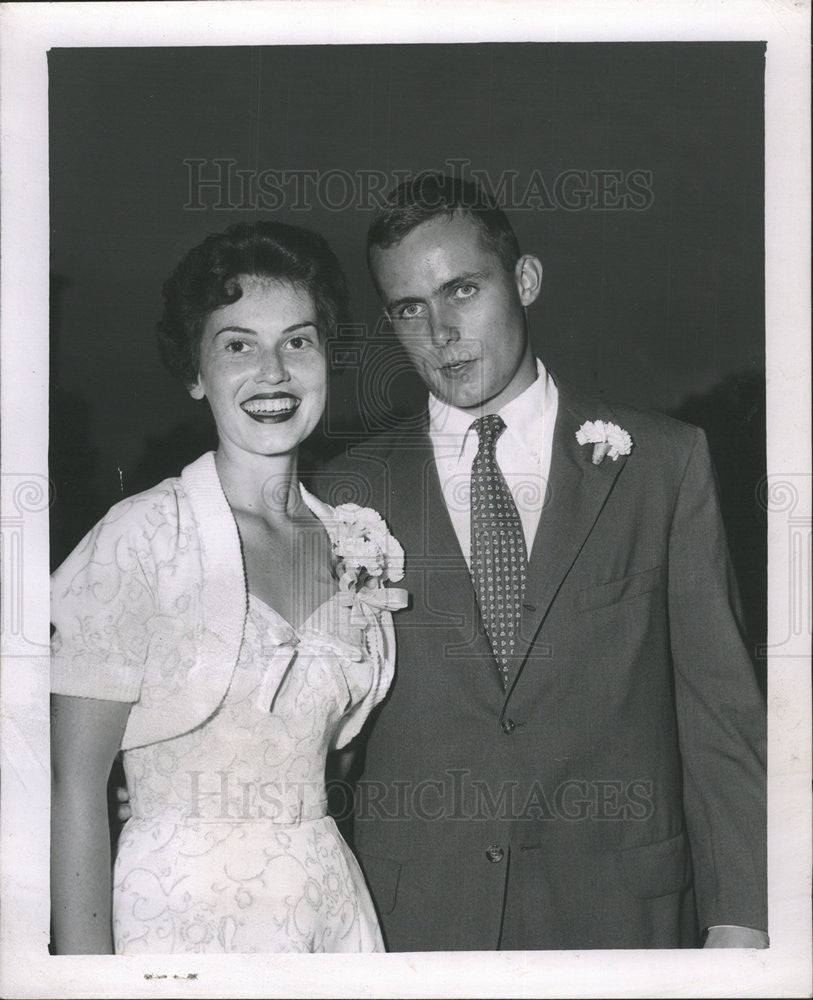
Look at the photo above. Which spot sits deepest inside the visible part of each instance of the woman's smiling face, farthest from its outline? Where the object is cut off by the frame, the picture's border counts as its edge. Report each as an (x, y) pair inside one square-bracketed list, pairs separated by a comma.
[(263, 367)]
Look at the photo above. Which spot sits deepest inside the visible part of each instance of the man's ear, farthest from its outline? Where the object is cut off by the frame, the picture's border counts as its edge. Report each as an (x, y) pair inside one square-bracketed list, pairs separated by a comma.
[(528, 276)]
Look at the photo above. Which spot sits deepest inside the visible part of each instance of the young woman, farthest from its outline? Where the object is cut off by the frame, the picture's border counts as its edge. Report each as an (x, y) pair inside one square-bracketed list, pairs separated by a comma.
[(201, 627)]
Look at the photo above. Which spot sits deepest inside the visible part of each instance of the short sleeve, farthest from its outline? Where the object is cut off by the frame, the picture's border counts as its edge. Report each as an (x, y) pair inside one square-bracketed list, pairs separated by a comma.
[(379, 641), (102, 608)]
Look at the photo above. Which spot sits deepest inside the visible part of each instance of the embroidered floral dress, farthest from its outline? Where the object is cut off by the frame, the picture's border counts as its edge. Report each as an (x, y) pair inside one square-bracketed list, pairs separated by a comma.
[(229, 848)]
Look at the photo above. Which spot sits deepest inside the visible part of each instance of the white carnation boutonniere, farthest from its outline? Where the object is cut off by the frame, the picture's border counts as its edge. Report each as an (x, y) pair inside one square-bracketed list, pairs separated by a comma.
[(365, 557), (606, 438)]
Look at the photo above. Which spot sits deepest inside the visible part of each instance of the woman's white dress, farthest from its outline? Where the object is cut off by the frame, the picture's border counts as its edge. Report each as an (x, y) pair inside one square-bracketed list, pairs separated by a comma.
[(230, 848)]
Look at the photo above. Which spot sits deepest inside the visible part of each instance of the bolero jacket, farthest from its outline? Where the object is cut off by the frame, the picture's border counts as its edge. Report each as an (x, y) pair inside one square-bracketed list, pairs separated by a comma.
[(151, 606)]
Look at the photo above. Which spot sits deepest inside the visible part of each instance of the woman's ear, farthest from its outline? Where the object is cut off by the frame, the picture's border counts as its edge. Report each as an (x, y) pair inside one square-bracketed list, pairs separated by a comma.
[(195, 389), (528, 276)]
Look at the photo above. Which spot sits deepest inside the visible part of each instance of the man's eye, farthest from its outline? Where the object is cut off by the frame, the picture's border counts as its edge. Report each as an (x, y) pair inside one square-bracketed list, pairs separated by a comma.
[(465, 291), (410, 311)]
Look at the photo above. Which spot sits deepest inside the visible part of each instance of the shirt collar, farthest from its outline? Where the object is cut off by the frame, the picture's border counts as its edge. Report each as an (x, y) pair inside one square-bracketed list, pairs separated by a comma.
[(449, 425)]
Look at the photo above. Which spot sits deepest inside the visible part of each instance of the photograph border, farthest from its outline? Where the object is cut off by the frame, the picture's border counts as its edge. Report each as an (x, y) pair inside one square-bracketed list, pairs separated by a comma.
[(28, 32)]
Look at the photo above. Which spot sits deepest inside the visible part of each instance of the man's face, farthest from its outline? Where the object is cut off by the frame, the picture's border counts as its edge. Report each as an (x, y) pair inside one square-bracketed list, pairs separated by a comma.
[(458, 313)]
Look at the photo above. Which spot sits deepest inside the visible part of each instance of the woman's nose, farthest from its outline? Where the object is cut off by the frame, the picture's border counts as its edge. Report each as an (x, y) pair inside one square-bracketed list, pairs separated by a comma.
[(272, 367)]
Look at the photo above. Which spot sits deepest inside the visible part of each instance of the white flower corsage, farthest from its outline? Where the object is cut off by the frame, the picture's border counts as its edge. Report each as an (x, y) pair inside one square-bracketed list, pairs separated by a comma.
[(364, 552), (607, 439), (365, 557)]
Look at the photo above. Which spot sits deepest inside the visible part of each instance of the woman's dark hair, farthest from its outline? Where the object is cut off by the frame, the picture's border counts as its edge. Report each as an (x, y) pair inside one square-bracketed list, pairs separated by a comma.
[(207, 278), (430, 196)]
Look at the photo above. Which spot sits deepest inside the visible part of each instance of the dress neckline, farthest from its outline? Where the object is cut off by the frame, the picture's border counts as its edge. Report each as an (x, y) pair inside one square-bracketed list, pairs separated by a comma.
[(254, 599)]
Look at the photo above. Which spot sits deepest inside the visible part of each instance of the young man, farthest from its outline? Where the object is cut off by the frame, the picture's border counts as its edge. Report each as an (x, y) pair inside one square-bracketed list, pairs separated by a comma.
[(572, 754)]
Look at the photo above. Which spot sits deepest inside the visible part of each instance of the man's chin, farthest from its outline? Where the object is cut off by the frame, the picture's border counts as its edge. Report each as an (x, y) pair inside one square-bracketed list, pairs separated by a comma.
[(465, 395), (460, 400)]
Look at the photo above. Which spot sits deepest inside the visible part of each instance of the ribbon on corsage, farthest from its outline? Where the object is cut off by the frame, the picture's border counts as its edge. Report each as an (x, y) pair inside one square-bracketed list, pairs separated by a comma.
[(366, 603), (606, 438)]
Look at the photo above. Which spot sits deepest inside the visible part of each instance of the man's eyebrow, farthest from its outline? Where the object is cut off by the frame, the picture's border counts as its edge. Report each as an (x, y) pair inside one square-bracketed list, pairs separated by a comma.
[(394, 304), (458, 279), (461, 279)]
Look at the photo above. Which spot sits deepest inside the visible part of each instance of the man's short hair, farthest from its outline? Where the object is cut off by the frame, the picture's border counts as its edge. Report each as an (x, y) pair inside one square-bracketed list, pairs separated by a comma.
[(433, 195)]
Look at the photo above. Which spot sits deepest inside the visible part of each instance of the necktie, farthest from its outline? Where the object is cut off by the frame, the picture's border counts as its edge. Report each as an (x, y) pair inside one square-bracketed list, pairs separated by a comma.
[(498, 557)]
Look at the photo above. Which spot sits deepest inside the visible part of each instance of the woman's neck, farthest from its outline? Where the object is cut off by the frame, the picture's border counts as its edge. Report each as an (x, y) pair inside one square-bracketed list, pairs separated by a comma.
[(263, 485)]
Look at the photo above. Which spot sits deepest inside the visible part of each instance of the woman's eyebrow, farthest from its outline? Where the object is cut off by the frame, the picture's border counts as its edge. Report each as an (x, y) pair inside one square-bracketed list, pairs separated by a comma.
[(300, 326), (236, 329), (253, 333)]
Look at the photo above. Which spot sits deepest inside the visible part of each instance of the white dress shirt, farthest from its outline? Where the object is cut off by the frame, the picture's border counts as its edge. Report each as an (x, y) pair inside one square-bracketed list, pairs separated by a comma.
[(523, 455)]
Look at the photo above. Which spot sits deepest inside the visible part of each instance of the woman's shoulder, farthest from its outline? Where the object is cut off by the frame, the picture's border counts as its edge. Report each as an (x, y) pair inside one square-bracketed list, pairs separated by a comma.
[(158, 520), (165, 497), (156, 509)]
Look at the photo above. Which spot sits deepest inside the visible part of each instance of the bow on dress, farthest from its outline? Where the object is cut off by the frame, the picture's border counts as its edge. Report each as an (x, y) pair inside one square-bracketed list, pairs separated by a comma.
[(352, 625)]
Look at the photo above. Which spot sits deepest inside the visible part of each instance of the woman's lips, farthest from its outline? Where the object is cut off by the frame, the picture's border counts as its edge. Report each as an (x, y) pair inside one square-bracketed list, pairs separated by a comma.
[(273, 409)]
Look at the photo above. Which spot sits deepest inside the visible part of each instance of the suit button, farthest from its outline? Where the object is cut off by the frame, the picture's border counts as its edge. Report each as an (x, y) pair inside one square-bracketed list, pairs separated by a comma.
[(508, 726), (495, 853)]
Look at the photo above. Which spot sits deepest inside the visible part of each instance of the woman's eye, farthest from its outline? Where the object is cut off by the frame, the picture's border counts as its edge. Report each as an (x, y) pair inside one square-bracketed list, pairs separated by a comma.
[(236, 346), (297, 343)]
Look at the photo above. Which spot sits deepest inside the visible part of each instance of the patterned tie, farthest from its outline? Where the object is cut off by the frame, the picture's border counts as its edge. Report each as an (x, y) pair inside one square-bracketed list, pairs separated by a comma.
[(498, 557)]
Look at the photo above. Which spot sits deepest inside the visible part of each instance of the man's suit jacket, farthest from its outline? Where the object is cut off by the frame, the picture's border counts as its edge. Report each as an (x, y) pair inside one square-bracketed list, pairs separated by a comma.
[(613, 796)]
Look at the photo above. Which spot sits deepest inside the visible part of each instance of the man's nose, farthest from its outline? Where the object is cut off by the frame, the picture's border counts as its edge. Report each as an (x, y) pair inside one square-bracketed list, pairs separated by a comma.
[(443, 325)]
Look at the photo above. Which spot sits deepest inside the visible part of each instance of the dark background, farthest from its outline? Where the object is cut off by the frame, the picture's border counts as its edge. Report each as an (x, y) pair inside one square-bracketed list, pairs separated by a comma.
[(663, 308)]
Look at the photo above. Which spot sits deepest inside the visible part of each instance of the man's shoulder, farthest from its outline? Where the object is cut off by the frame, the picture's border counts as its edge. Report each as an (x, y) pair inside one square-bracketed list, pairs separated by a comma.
[(653, 433), (659, 425), (382, 446), (366, 471)]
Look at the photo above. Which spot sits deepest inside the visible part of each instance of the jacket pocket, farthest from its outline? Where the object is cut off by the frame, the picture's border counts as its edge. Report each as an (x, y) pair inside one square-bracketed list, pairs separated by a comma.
[(620, 590), (657, 869), (383, 875)]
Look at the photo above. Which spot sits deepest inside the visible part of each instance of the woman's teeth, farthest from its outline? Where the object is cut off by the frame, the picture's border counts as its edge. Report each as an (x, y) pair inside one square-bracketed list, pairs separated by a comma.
[(269, 405)]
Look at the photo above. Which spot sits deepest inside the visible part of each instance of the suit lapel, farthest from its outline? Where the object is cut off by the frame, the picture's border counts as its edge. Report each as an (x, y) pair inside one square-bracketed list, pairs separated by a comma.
[(437, 574), (577, 492)]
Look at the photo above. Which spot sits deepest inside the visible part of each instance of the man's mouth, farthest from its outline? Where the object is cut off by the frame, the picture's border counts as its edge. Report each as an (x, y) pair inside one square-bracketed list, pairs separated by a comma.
[(271, 408), (456, 367)]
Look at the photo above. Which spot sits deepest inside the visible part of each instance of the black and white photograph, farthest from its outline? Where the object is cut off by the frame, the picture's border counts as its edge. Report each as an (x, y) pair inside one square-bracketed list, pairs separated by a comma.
[(406, 516)]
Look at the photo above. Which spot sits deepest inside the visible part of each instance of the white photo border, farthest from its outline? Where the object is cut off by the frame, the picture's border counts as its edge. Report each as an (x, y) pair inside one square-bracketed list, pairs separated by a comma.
[(28, 31)]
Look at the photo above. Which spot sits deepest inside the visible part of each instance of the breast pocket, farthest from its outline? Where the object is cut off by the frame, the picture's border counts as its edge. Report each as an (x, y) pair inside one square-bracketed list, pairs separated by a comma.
[(622, 589)]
